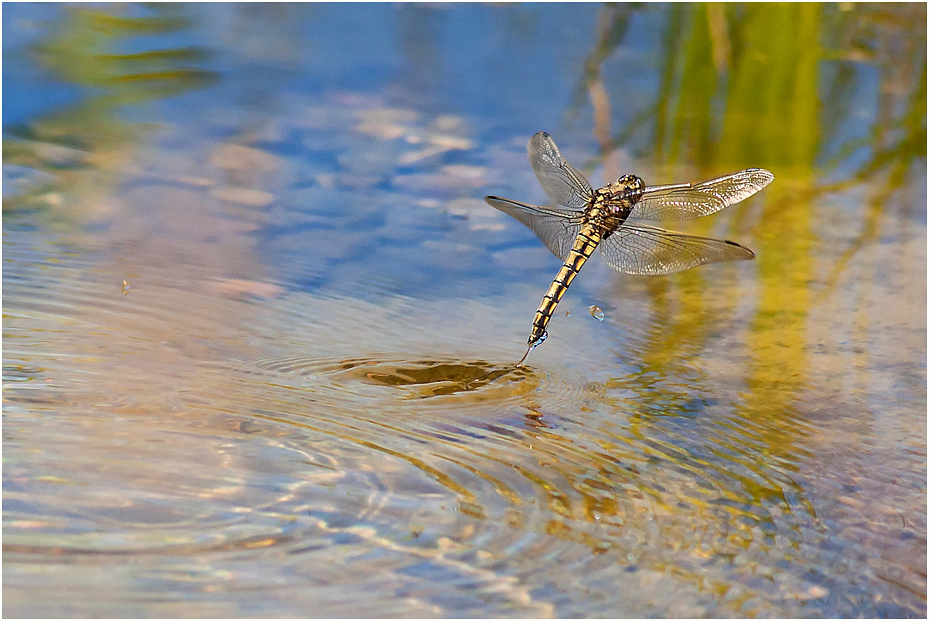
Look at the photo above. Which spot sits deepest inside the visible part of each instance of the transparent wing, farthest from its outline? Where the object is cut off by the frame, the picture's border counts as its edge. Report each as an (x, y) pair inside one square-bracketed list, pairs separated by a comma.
[(557, 228), (647, 250), (561, 182), (687, 201)]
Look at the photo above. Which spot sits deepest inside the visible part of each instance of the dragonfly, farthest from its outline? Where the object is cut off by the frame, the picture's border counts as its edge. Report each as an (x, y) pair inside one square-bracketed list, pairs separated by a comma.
[(610, 218)]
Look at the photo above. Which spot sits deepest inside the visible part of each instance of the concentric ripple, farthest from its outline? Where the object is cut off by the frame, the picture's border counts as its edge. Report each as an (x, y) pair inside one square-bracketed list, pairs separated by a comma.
[(410, 468), (462, 381)]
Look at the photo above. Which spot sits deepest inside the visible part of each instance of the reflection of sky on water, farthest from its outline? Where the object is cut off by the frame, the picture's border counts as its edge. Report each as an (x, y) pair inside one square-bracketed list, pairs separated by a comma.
[(304, 400), (456, 59)]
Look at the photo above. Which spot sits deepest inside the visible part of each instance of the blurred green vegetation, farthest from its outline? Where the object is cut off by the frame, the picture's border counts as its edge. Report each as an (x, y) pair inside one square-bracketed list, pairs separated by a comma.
[(781, 86), (777, 84), (85, 143)]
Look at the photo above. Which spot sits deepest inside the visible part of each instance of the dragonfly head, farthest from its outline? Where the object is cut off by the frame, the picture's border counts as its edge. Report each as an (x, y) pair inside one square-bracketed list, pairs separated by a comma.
[(630, 184), (625, 192)]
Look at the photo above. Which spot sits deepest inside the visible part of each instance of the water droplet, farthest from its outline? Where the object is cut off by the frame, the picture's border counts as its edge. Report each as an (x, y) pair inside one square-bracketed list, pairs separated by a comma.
[(125, 287), (567, 313), (596, 313)]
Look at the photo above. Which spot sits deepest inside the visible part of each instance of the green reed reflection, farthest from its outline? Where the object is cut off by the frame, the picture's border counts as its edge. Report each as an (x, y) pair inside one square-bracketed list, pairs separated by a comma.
[(773, 85), (85, 144)]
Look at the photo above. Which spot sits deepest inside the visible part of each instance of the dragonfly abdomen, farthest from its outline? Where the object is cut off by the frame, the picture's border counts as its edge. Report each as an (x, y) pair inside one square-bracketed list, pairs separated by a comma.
[(587, 240)]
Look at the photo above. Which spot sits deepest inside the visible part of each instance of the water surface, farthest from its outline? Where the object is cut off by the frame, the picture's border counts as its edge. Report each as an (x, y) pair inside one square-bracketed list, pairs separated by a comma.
[(260, 330)]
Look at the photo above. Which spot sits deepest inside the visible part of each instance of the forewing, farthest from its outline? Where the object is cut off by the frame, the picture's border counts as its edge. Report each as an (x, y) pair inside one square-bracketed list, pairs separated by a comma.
[(557, 228), (647, 250), (561, 181), (689, 201)]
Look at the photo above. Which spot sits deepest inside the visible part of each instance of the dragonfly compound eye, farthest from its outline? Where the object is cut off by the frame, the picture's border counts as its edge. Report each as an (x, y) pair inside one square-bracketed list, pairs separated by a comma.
[(630, 183)]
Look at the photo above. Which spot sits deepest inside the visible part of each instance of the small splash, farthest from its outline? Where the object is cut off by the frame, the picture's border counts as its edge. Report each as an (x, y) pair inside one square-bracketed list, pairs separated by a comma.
[(596, 313), (534, 341)]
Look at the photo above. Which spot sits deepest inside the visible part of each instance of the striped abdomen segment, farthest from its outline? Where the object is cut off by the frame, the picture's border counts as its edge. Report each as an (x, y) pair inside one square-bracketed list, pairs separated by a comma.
[(584, 245)]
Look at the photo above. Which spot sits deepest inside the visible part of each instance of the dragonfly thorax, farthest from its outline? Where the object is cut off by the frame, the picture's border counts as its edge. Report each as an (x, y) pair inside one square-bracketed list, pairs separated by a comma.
[(619, 197)]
